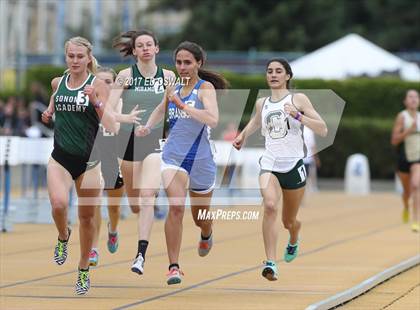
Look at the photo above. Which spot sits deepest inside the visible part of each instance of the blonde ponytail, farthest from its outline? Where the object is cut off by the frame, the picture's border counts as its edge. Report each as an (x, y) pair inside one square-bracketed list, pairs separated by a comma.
[(93, 65)]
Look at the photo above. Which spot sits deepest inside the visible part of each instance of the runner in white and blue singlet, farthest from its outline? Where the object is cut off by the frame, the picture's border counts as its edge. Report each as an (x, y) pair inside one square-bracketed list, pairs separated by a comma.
[(188, 145), (187, 157)]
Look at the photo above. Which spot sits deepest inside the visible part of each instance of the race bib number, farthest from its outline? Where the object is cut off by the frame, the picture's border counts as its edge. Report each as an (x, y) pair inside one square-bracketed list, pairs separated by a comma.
[(302, 173), (82, 98)]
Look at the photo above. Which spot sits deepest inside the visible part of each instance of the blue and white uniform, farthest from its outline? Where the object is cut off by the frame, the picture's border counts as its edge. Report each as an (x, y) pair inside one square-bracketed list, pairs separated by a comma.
[(188, 145)]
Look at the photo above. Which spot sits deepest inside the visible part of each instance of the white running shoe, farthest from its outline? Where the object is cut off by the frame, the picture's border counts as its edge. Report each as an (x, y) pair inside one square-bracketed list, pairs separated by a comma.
[(138, 265)]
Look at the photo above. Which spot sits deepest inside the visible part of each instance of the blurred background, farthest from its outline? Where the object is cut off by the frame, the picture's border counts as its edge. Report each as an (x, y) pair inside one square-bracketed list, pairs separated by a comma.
[(367, 52), (355, 60)]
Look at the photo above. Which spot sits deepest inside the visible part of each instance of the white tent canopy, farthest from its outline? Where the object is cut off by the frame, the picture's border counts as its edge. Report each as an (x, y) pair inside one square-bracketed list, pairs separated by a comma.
[(352, 56)]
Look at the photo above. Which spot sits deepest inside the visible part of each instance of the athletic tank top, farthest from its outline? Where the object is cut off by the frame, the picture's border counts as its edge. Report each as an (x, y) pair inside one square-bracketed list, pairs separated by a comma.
[(188, 138), (412, 141), (147, 93), (76, 121), (284, 145)]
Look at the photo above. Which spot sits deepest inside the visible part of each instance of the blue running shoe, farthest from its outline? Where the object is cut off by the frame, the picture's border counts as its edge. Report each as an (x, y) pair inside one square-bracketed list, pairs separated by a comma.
[(112, 242)]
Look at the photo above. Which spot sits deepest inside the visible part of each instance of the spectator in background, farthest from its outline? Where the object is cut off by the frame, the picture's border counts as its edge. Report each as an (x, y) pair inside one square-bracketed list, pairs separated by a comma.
[(37, 107), (22, 121), (2, 116), (39, 94), (9, 116), (14, 117)]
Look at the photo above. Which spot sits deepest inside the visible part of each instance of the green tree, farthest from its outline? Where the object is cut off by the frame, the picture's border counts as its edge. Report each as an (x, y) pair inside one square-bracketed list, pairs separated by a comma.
[(295, 25)]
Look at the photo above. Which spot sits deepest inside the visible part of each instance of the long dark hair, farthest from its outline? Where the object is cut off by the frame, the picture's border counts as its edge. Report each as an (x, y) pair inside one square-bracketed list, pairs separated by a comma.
[(286, 67), (125, 42), (218, 81)]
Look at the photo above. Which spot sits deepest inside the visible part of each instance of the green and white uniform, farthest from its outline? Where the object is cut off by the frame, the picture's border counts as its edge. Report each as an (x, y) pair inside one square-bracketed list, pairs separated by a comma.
[(147, 93), (76, 121), (284, 144), (75, 128)]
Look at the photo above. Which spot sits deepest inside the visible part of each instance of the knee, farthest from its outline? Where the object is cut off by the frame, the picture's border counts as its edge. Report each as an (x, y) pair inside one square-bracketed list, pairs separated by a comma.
[(132, 193), (147, 197), (58, 203), (86, 218), (176, 211), (134, 201), (415, 185), (270, 207)]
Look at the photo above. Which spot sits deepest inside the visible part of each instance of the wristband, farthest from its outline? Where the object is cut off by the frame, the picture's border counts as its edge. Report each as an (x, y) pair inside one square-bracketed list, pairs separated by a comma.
[(98, 104), (298, 116)]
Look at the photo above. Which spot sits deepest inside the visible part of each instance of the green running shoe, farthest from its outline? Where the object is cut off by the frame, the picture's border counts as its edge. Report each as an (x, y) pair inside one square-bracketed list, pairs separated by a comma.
[(270, 270), (291, 251)]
